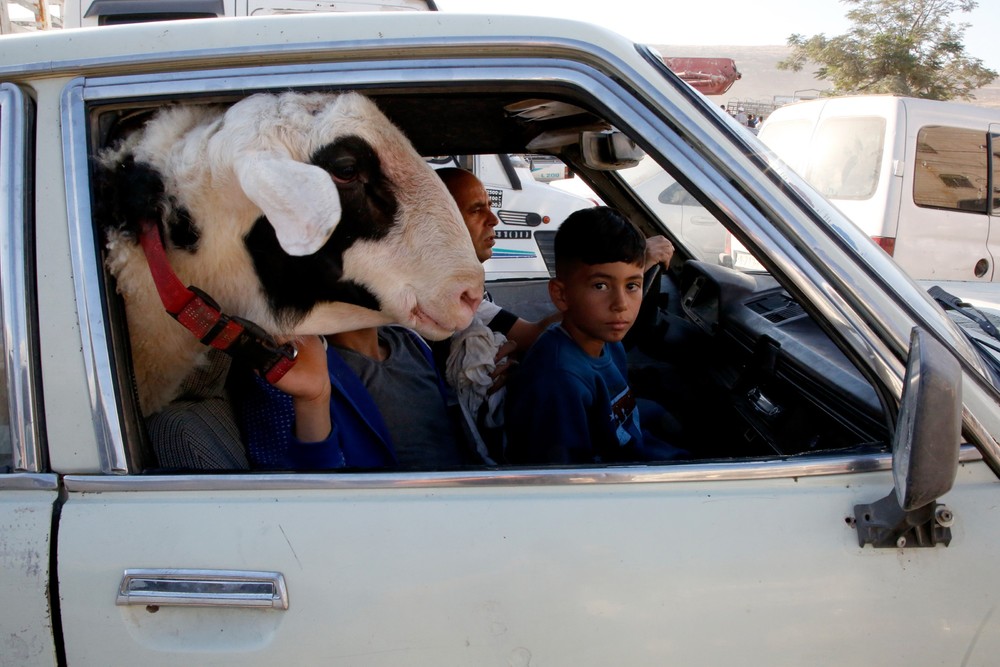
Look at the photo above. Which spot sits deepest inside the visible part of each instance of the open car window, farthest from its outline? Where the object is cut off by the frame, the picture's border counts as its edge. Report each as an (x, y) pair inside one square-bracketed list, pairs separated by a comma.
[(738, 361)]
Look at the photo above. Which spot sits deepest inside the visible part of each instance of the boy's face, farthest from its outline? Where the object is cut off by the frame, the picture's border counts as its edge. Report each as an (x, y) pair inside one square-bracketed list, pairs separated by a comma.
[(599, 302)]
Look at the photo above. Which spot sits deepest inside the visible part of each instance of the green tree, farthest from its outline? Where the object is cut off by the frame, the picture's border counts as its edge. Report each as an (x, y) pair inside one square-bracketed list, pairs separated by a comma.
[(901, 47)]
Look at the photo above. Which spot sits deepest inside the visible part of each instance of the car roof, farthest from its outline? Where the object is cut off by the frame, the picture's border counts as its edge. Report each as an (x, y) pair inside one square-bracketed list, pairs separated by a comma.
[(130, 46), (475, 121)]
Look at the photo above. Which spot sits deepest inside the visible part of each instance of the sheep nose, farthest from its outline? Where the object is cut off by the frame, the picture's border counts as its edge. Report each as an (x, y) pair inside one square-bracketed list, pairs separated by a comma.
[(470, 299)]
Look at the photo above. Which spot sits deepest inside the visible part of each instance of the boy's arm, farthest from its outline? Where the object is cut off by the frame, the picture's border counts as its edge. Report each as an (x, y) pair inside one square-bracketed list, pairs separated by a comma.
[(308, 383), (314, 442), (268, 422)]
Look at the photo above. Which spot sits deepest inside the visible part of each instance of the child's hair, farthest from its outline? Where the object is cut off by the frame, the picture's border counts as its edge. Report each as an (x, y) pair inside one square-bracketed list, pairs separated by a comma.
[(598, 235)]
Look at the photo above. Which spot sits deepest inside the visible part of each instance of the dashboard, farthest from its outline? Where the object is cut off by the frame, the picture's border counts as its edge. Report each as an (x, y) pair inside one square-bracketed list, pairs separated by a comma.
[(792, 388)]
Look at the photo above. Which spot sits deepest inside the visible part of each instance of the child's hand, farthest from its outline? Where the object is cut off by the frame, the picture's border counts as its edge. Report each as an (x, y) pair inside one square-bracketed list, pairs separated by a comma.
[(308, 383), (308, 378)]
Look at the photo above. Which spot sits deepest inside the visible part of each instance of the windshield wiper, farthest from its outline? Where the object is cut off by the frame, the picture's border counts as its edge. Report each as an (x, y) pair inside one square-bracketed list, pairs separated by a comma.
[(951, 302)]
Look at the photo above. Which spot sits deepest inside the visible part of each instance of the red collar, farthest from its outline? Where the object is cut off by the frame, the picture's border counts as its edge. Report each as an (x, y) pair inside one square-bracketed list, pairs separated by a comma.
[(198, 312)]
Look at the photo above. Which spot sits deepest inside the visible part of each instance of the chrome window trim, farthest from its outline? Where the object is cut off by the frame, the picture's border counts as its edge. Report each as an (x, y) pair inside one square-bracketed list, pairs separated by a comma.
[(29, 482), (17, 294), (667, 474), (606, 90), (728, 471), (87, 282)]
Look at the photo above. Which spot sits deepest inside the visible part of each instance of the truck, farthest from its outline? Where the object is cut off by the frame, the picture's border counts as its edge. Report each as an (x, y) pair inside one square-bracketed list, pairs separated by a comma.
[(87, 13), (837, 506)]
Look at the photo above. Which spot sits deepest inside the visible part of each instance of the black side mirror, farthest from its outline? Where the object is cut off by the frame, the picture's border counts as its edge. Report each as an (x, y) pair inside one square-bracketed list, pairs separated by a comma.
[(925, 451), (929, 430)]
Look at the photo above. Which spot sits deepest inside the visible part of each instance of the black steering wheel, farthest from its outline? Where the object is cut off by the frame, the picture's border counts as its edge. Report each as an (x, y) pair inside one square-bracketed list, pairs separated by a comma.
[(649, 278), (647, 317)]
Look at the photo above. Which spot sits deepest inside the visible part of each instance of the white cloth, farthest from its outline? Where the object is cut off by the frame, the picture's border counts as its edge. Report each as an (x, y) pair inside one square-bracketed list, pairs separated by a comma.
[(468, 369), (487, 310)]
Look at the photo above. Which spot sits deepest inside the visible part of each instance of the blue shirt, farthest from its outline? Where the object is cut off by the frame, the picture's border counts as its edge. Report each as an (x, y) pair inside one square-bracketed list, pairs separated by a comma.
[(564, 406), (361, 437)]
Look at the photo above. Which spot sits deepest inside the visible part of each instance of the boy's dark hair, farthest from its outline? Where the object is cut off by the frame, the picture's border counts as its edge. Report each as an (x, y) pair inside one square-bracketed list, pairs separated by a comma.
[(598, 235)]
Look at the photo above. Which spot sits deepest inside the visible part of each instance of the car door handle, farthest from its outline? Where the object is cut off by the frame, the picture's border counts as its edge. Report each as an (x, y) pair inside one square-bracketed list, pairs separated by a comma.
[(203, 588)]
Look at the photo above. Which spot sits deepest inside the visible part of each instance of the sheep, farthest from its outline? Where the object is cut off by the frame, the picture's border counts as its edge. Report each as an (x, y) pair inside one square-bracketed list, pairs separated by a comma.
[(307, 213)]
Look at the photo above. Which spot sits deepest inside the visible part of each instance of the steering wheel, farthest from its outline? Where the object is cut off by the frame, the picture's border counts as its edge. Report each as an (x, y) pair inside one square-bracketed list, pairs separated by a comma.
[(647, 317), (649, 278)]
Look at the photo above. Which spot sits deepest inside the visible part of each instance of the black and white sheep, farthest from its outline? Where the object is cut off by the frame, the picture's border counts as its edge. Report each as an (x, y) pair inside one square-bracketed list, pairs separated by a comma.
[(305, 213)]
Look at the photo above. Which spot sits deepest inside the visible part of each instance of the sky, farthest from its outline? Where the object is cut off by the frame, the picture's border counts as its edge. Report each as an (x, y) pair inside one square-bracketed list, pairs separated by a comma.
[(726, 22)]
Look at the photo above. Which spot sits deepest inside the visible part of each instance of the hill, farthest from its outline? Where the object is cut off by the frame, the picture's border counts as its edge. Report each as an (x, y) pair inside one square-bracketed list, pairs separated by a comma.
[(762, 81)]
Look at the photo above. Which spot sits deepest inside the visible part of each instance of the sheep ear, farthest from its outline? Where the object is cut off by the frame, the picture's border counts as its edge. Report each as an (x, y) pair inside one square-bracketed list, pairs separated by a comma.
[(300, 200)]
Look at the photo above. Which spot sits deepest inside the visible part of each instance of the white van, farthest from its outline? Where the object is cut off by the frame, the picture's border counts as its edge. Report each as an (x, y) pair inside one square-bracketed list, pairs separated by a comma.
[(914, 174), (80, 13)]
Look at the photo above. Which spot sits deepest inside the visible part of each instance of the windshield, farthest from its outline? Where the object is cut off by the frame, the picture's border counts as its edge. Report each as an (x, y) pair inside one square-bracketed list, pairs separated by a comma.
[(690, 223), (686, 219)]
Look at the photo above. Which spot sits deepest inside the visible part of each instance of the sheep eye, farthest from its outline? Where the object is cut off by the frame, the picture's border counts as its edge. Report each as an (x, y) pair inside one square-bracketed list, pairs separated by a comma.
[(344, 169)]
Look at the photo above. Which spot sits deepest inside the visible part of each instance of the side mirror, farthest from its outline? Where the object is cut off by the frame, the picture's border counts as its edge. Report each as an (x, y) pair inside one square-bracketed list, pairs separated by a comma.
[(925, 451), (929, 429), (609, 150)]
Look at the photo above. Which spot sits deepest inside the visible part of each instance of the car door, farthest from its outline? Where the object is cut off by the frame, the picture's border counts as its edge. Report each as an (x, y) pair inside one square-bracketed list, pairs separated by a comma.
[(945, 224), (750, 561), (28, 493)]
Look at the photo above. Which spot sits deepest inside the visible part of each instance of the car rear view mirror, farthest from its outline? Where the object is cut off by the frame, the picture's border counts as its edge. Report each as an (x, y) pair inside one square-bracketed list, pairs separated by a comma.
[(609, 151)]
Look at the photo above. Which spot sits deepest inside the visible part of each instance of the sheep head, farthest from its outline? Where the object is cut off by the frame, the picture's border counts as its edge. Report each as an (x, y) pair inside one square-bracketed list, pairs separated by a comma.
[(306, 213)]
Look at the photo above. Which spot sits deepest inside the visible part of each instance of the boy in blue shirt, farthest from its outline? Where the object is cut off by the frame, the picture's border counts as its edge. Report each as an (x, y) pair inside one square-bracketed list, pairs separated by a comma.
[(570, 401)]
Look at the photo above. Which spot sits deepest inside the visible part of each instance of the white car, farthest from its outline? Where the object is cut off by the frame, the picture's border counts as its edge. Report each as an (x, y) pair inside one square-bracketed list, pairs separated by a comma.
[(838, 506), (683, 215)]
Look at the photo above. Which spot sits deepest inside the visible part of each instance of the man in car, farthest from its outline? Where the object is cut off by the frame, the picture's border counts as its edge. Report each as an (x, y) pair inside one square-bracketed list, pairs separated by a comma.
[(474, 205)]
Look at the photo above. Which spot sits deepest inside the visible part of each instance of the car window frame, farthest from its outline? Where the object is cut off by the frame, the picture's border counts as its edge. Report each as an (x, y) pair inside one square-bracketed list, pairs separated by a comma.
[(83, 94), (17, 301)]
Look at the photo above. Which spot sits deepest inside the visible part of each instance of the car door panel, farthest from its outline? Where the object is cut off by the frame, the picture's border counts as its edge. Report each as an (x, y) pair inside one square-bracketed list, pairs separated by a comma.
[(559, 568), (26, 505)]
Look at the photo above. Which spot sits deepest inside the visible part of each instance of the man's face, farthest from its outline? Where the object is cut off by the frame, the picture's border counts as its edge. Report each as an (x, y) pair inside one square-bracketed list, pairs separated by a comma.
[(474, 204), (599, 302)]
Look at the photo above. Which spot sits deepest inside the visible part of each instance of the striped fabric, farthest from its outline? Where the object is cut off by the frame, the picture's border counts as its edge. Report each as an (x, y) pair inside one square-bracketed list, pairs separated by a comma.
[(198, 431)]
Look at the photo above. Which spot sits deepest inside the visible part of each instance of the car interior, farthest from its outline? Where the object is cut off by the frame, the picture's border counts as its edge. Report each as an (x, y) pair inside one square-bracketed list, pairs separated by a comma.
[(739, 360)]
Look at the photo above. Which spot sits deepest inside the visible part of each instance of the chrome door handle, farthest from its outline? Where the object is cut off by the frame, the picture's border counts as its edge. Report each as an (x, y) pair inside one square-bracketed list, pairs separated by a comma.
[(203, 588)]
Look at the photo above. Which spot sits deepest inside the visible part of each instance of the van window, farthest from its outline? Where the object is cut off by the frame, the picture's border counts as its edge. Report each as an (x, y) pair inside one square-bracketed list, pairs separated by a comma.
[(8, 186), (841, 159), (845, 156), (789, 139), (951, 169)]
